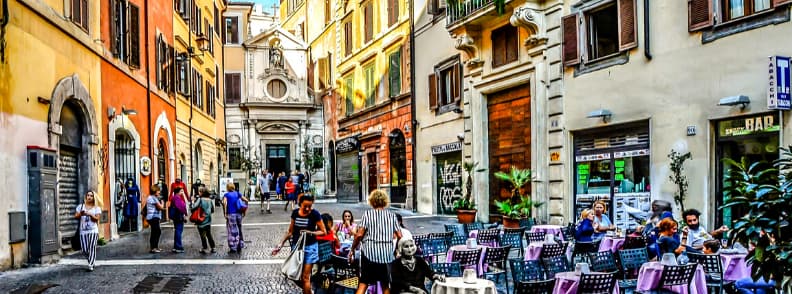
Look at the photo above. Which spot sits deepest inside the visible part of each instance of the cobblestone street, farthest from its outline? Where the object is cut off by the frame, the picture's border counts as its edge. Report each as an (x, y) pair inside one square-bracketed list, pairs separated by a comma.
[(125, 266)]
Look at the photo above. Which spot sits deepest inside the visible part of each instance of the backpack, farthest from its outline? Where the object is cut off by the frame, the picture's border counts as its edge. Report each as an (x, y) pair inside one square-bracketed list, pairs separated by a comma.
[(177, 208), (198, 214)]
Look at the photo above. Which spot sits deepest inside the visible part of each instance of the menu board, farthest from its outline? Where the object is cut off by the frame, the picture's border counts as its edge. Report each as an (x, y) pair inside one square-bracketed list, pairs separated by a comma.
[(348, 177)]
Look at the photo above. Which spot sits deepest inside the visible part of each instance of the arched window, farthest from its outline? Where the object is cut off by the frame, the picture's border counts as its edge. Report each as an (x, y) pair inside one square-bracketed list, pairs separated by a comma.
[(162, 170), (125, 160), (198, 162)]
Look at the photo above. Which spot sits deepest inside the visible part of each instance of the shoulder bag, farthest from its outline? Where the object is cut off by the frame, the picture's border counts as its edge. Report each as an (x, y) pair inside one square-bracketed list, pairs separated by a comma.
[(198, 214), (293, 266)]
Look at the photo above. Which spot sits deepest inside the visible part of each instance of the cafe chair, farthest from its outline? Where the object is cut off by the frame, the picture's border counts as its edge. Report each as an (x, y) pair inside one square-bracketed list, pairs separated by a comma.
[(458, 233), (534, 287), (467, 258), (325, 252), (601, 283), (675, 275), (714, 269), (582, 250), (420, 242), (513, 238), (569, 232), (556, 264), (434, 247), (345, 275), (527, 223), (534, 237), (603, 261), (474, 226), (445, 236), (550, 250), (526, 270), (448, 269), (631, 261), (495, 264), (488, 226), (633, 242), (488, 237)]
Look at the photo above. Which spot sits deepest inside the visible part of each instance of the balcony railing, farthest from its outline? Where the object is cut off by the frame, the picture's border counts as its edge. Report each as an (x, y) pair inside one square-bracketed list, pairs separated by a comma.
[(463, 8)]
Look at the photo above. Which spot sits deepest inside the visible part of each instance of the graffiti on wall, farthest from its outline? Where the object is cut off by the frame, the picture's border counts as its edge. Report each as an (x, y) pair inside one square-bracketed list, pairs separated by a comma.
[(449, 181)]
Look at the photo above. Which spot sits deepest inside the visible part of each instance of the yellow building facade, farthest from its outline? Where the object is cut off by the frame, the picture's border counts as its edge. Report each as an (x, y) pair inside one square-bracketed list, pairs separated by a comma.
[(200, 131), (50, 81)]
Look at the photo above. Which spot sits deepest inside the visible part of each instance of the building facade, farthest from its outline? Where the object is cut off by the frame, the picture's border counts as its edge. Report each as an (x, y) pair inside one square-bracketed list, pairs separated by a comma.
[(645, 86), (512, 97)]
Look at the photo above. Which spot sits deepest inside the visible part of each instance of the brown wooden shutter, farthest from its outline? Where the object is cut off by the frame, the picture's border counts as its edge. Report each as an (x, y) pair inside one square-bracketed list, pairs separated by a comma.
[(158, 61), (347, 38), (457, 83), (777, 3), (84, 14), (433, 7), (498, 47), (75, 11), (511, 42), (134, 36), (368, 16), (393, 11), (114, 21), (628, 37), (700, 14), (237, 88), (569, 26), (234, 30), (432, 91)]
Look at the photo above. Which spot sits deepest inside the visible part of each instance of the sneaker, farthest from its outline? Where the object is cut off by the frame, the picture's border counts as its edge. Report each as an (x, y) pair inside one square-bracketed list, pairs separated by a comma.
[(154, 251), (269, 211), (214, 251), (203, 251), (178, 250), (90, 268)]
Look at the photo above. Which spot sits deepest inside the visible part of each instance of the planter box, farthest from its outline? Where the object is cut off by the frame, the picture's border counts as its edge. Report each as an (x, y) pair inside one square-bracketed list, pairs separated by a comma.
[(466, 216)]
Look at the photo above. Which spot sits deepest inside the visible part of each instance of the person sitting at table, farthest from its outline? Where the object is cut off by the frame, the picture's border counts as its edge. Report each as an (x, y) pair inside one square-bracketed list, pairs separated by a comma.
[(585, 227), (697, 234), (409, 272), (602, 224), (710, 247), (331, 237), (667, 241)]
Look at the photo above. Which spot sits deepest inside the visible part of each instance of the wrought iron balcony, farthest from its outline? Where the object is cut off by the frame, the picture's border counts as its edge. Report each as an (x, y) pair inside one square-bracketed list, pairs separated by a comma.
[(459, 11)]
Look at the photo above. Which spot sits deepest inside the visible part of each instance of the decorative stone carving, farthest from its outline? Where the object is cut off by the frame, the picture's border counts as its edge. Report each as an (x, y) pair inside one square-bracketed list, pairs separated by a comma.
[(277, 127), (234, 139), (276, 58), (532, 20), (465, 43)]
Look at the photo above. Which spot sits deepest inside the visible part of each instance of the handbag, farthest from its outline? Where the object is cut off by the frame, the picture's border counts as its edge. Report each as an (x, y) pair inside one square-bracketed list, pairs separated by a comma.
[(75, 240), (198, 214), (293, 265), (242, 206)]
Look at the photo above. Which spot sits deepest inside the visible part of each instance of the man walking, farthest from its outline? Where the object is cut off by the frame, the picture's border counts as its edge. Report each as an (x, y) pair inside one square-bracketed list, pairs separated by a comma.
[(264, 182)]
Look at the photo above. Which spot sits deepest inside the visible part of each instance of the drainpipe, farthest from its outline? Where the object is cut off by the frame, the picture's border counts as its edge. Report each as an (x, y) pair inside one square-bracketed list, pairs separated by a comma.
[(647, 51), (412, 106), (148, 82), (3, 23), (190, 97)]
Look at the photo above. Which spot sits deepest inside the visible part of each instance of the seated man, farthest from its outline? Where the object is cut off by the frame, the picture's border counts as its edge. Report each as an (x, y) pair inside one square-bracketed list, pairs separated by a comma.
[(697, 234), (409, 272), (745, 285)]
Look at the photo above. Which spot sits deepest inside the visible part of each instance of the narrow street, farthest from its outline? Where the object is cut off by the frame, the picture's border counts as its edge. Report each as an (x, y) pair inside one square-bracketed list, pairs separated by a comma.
[(125, 266)]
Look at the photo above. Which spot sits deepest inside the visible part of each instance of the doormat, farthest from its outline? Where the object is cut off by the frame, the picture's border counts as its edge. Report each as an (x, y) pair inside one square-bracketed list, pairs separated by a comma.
[(160, 283)]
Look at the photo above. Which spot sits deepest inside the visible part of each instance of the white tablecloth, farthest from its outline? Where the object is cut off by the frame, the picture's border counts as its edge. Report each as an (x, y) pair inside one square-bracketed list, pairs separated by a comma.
[(455, 285)]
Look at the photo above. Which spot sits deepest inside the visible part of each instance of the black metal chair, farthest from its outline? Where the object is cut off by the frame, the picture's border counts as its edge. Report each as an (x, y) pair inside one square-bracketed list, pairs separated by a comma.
[(569, 232), (714, 269), (495, 260), (449, 269), (556, 264), (325, 252), (534, 237), (551, 250), (488, 237), (513, 238), (527, 223), (345, 275), (631, 261), (584, 249), (534, 287), (603, 261), (526, 270), (467, 258), (420, 242), (601, 283), (458, 233), (633, 242), (477, 226), (433, 247), (446, 236), (675, 275)]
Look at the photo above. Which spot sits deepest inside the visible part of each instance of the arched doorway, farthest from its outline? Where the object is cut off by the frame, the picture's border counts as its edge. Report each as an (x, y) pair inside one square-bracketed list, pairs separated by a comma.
[(198, 163), (398, 166), (69, 173), (125, 167), (331, 171), (162, 169)]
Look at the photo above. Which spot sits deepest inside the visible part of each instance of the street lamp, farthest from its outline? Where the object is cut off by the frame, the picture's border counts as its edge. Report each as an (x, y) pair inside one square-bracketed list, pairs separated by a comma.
[(203, 45)]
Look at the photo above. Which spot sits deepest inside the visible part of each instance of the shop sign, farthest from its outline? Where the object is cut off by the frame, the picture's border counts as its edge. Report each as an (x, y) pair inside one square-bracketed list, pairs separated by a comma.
[(749, 125), (778, 94), (347, 145), (445, 148)]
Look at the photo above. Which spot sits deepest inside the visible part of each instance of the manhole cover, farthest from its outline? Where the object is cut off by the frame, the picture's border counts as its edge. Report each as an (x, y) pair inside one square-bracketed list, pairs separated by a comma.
[(162, 284), (33, 289)]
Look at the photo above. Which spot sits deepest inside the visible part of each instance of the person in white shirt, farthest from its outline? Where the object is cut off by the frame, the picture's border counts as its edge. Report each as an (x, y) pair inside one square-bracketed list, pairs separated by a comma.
[(264, 180), (89, 214), (696, 232)]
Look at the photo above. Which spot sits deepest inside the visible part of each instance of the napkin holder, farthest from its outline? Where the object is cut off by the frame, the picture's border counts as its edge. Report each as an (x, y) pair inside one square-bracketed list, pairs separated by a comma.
[(549, 239), (582, 268), (469, 276), (471, 243), (668, 259)]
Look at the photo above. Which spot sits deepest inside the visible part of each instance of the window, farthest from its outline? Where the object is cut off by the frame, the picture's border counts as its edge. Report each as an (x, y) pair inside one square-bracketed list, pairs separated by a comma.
[(607, 30), (165, 64), (292, 6), (436, 7), (371, 85), (181, 7), (197, 89), (327, 15), (216, 17), (234, 158), (79, 13), (182, 60), (368, 18), (317, 153), (504, 45), (394, 73), (349, 83), (393, 12), (347, 38), (125, 32), (445, 86), (232, 86), (231, 32), (210, 98), (276, 89), (209, 35), (734, 9)]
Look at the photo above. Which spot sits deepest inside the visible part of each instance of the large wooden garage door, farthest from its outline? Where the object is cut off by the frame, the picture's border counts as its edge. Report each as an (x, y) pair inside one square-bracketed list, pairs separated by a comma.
[(509, 113), (68, 195)]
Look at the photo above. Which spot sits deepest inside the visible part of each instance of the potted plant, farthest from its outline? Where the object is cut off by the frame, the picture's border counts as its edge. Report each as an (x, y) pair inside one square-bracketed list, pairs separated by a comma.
[(765, 193), (465, 207), (521, 205)]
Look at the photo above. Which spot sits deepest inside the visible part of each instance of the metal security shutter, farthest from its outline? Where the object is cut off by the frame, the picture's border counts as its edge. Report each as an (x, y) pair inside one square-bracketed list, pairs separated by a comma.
[(348, 178), (68, 195)]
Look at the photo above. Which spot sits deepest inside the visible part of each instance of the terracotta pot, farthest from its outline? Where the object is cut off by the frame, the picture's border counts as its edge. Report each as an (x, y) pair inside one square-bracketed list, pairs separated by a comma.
[(512, 223), (466, 216)]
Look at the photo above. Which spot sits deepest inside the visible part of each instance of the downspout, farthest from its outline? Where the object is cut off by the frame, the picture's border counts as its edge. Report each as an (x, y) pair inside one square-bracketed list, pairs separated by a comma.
[(412, 107), (3, 24), (190, 97), (148, 82), (225, 111), (647, 50)]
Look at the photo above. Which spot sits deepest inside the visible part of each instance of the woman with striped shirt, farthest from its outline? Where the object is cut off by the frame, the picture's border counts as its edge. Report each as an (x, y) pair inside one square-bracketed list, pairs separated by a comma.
[(376, 233)]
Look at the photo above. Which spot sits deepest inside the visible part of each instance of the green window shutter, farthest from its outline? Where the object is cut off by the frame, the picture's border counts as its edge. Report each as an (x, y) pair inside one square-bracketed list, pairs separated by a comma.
[(350, 94), (394, 74)]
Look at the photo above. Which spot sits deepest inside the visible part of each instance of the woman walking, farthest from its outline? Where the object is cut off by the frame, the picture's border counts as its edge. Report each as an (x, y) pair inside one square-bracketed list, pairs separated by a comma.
[(376, 232), (291, 195), (177, 209), (205, 227), (281, 182), (89, 214), (308, 221), (233, 216), (154, 210)]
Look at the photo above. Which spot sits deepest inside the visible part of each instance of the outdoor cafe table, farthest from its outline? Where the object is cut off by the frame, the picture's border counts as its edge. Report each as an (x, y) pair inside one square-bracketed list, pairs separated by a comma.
[(734, 266), (534, 251), (649, 279), (455, 285), (567, 283), (480, 267), (548, 229), (611, 243)]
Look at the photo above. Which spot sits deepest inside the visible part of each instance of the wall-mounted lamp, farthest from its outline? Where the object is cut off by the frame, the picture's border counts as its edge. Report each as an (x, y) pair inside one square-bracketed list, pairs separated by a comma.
[(741, 100), (111, 112), (203, 45), (461, 137), (600, 113)]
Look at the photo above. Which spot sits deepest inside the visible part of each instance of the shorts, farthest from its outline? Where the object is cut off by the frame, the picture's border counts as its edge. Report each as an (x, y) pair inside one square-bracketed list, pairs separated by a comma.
[(311, 253), (372, 272), (265, 195)]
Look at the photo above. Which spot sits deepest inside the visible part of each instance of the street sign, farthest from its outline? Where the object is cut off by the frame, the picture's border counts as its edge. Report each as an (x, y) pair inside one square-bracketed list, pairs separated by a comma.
[(778, 94)]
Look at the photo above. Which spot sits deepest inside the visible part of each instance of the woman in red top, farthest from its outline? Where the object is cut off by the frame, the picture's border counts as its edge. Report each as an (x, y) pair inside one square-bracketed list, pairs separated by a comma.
[(291, 197)]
